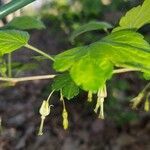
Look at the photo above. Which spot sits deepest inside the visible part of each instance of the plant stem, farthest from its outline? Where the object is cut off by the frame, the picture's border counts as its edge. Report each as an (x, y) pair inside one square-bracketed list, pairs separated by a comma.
[(50, 96), (9, 66), (123, 70), (40, 52), (15, 80)]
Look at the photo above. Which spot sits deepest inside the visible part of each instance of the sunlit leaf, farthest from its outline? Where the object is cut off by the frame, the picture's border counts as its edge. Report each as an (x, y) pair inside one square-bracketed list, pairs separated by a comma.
[(136, 17), (91, 66), (11, 40)]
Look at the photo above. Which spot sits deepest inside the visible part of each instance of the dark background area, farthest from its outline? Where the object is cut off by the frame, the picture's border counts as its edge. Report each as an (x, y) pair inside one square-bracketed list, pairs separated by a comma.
[(122, 129)]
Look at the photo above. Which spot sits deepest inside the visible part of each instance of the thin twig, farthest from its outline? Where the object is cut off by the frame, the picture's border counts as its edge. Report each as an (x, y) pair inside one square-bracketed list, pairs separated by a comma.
[(124, 70), (15, 80)]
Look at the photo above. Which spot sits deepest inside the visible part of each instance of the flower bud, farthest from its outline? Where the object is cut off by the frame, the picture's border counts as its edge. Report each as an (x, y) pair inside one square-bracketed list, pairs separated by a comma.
[(45, 109), (102, 93), (65, 119)]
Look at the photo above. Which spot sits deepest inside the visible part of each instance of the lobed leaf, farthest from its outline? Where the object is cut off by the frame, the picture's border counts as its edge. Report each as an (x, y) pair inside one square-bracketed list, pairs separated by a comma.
[(91, 66), (64, 83), (129, 49), (136, 17), (11, 40)]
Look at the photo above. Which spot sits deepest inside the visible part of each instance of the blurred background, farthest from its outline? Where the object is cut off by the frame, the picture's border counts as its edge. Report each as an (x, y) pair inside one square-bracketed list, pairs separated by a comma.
[(123, 128)]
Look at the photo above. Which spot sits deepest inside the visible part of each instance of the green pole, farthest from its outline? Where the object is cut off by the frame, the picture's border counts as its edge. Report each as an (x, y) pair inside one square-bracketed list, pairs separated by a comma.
[(13, 6)]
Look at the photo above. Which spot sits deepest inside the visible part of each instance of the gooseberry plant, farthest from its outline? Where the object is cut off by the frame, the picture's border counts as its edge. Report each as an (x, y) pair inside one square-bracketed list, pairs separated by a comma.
[(86, 67)]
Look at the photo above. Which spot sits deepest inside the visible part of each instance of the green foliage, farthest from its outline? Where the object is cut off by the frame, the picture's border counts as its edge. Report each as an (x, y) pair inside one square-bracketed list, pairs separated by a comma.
[(147, 76), (127, 44), (90, 66), (25, 23), (93, 25), (10, 40), (136, 17), (66, 85)]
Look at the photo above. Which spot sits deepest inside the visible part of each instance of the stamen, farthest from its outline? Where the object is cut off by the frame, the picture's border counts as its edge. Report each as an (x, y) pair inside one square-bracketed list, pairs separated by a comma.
[(101, 114), (102, 93), (97, 105)]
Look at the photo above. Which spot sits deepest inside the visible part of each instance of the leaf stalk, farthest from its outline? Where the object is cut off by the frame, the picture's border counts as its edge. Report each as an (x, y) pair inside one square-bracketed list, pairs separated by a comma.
[(39, 51)]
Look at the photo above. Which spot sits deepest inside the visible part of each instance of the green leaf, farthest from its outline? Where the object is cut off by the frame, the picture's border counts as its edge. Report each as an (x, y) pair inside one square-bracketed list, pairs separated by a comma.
[(89, 74), (11, 40), (93, 25), (64, 83), (136, 17), (70, 90), (147, 76), (91, 66), (129, 49), (25, 23)]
